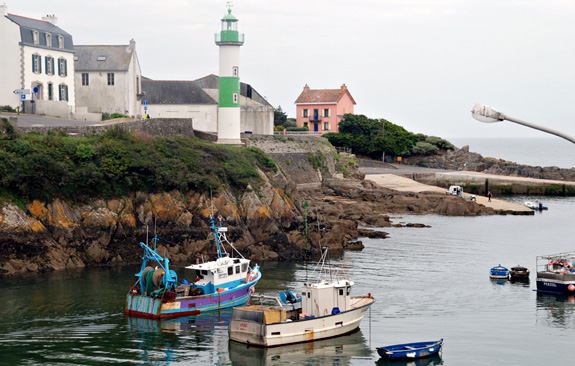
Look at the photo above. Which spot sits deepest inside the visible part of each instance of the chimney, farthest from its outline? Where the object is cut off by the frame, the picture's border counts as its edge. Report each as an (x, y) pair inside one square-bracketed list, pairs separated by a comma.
[(52, 19), (306, 88), (132, 45), (3, 9), (343, 87)]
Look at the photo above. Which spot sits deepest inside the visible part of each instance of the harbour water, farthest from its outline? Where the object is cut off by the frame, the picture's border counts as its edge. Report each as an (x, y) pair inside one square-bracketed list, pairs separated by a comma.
[(429, 283)]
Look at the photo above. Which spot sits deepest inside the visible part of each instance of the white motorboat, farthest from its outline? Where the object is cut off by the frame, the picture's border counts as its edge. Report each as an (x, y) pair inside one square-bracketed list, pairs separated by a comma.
[(325, 310), (535, 205)]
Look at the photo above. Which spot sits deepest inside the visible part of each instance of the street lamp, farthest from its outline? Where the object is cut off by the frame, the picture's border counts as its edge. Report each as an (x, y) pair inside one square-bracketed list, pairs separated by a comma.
[(484, 113)]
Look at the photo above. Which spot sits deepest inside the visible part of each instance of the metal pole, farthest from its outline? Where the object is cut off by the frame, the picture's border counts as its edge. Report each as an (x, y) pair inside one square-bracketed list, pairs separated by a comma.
[(305, 205), (383, 135), (540, 128)]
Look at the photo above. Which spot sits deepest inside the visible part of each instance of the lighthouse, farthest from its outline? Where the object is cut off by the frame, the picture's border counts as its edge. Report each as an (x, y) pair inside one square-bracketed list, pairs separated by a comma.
[(229, 40)]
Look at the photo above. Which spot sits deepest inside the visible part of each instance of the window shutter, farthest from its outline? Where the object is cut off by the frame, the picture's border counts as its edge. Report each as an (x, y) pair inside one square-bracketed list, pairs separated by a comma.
[(59, 92), (46, 64), (59, 68), (66, 93), (65, 67), (33, 63), (39, 64)]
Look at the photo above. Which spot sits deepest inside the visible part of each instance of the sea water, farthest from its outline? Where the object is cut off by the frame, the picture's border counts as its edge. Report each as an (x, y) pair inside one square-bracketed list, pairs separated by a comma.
[(429, 283), (540, 151)]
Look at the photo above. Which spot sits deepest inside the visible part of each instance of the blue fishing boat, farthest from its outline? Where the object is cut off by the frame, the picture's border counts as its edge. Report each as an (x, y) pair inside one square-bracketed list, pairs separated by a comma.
[(410, 350), (217, 284), (499, 272)]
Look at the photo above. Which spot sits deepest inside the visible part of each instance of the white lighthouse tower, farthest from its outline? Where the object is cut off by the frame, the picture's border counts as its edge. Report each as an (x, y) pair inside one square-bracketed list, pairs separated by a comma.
[(229, 40)]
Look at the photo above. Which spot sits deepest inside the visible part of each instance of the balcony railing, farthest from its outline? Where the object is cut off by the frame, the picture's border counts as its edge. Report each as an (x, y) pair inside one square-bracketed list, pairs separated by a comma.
[(315, 118)]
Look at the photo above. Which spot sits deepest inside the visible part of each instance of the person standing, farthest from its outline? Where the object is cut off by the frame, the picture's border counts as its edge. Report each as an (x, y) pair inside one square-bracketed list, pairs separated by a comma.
[(489, 195)]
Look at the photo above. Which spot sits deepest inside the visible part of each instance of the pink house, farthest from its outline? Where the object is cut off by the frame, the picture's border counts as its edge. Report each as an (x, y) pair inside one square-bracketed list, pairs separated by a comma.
[(322, 109)]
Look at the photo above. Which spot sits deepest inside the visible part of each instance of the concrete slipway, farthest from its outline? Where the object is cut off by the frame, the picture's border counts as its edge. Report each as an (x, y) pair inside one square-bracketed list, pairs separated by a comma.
[(406, 179)]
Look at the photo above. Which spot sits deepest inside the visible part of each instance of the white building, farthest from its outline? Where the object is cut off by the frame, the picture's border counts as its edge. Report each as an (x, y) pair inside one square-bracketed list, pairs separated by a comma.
[(108, 79), (256, 113), (180, 99), (36, 55)]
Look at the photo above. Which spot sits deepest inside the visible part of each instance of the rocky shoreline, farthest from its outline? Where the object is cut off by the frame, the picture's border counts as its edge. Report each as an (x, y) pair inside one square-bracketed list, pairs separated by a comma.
[(266, 223)]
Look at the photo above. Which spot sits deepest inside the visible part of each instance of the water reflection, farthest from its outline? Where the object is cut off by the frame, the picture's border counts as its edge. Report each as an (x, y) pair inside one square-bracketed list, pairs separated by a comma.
[(334, 351), (556, 311), (428, 361)]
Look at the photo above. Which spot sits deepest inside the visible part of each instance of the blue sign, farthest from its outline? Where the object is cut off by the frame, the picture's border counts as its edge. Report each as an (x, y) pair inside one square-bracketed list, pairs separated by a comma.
[(23, 96), (145, 108), (145, 102)]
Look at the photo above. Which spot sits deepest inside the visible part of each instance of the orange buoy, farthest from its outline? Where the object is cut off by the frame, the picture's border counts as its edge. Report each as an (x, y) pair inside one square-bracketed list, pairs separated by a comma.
[(571, 287)]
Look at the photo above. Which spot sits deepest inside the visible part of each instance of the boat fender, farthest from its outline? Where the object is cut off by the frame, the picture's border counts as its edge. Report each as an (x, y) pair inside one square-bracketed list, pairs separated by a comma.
[(335, 311), (571, 287)]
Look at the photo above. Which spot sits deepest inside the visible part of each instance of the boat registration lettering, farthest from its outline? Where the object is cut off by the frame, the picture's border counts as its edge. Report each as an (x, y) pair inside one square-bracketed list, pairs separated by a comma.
[(243, 326), (550, 284)]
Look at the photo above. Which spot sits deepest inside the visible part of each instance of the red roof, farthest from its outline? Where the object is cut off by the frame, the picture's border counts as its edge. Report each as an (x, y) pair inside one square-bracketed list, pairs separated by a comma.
[(323, 95)]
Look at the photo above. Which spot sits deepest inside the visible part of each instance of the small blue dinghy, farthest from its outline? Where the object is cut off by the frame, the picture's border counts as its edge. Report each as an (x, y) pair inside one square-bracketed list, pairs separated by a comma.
[(410, 350), (499, 272)]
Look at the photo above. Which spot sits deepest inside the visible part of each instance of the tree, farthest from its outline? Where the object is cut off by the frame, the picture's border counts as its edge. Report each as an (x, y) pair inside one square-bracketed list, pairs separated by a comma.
[(280, 117)]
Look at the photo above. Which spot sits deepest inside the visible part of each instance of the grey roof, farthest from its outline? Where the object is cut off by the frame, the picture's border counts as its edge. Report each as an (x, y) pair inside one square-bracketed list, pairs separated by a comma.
[(213, 82), (28, 25), (117, 58), (174, 92)]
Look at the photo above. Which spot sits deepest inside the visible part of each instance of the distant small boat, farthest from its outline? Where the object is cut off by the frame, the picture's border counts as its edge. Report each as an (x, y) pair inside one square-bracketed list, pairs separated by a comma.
[(499, 272), (519, 272), (410, 350), (536, 206)]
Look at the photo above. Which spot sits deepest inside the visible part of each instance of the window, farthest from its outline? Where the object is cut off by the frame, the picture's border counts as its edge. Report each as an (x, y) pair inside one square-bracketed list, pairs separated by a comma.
[(326, 112), (237, 269), (49, 39), (85, 79), (305, 113), (305, 124), (326, 126), (230, 271), (244, 267), (236, 98), (36, 63), (62, 67), (49, 61), (50, 92), (36, 37), (316, 114), (110, 78), (60, 41), (236, 71), (340, 292), (63, 91)]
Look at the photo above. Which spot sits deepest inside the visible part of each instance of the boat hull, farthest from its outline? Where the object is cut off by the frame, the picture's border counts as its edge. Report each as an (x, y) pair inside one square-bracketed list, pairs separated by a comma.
[(410, 350), (154, 308), (557, 283), (303, 330)]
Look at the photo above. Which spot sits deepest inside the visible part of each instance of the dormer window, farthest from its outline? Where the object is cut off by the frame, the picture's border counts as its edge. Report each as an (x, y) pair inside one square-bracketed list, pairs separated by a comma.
[(48, 39), (36, 37), (60, 41)]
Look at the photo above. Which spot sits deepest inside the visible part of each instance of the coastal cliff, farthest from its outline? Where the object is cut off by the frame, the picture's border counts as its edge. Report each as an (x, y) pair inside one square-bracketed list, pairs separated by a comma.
[(266, 221)]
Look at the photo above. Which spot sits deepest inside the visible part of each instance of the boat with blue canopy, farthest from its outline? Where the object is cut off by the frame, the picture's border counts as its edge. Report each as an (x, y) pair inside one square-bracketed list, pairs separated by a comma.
[(221, 283)]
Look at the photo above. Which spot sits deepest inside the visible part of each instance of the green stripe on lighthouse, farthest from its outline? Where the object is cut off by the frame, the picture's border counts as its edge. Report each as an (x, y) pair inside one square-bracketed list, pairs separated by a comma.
[(228, 86)]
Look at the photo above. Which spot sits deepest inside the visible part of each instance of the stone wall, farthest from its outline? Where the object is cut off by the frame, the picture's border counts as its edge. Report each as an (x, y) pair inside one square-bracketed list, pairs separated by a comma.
[(307, 159), (166, 127)]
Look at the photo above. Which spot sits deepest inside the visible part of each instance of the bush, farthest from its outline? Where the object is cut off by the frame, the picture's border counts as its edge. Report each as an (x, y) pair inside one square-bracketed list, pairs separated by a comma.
[(7, 108), (106, 116), (424, 148), (304, 128)]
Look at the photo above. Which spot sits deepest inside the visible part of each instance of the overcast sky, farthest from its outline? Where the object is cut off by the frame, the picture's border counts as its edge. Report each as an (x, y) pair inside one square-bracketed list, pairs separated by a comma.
[(421, 64)]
